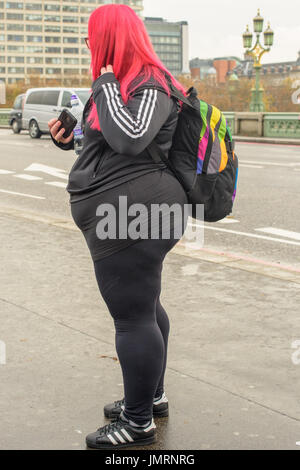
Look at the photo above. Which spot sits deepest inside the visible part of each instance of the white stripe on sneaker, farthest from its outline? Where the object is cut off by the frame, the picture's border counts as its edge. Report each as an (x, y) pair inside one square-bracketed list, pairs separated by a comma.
[(162, 399), (152, 426), (125, 433), (119, 437), (112, 440)]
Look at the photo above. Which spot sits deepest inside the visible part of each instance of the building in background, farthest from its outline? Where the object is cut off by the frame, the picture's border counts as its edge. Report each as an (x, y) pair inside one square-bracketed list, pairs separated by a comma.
[(170, 41), (274, 72), (218, 68), (46, 39), (137, 5), (223, 67)]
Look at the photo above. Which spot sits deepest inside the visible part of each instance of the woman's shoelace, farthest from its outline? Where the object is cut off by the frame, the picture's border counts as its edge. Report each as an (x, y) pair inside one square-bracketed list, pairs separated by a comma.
[(114, 425), (120, 402)]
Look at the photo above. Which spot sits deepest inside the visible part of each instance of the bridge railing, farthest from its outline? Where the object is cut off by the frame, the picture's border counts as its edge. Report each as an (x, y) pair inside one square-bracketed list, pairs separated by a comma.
[(284, 125), (4, 116)]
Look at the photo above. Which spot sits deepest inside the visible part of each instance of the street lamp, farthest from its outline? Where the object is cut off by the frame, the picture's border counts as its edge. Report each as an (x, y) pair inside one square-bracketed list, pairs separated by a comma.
[(269, 36), (257, 52)]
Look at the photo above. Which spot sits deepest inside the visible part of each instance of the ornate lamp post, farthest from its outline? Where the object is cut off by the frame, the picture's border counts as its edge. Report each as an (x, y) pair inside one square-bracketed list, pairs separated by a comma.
[(257, 52)]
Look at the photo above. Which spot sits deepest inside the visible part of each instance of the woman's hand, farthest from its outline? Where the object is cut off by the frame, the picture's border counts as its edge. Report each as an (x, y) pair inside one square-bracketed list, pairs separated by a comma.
[(54, 125), (107, 69)]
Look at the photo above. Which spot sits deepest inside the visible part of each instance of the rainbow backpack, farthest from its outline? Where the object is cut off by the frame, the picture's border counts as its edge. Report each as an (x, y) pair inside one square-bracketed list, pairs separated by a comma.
[(202, 156)]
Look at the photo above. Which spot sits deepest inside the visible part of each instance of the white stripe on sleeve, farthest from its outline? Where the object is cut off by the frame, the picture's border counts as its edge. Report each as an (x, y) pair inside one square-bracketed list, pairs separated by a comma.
[(121, 107), (116, 115)]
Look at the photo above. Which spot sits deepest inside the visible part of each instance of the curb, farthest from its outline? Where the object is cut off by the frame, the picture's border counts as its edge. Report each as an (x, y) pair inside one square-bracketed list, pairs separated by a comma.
[(243, 263), (239, 138), (266, 140)]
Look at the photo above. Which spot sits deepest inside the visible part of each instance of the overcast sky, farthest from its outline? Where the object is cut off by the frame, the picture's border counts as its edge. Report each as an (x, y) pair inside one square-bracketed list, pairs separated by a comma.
[(216, 26)]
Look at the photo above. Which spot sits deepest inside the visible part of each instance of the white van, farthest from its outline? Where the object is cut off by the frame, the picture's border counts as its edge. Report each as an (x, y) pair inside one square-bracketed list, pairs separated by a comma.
[(43, 104)]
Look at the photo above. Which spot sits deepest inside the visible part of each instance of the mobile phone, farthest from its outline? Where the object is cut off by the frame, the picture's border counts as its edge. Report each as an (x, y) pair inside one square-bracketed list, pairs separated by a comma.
[(68, 122)]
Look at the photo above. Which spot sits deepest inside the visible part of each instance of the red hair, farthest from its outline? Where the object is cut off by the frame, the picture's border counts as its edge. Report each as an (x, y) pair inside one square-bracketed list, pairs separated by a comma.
[(118, 37)]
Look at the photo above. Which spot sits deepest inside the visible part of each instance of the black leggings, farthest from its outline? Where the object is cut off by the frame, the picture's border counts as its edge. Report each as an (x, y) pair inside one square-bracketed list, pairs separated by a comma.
[(130, 284)]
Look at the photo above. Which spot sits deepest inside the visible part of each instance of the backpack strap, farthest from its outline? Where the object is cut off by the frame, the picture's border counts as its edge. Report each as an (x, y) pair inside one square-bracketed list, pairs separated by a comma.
[(177, 93), (174, 91)]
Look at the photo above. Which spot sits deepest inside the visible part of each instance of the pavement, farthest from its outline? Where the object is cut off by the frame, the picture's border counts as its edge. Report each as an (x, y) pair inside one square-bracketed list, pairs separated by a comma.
[(230, 379)]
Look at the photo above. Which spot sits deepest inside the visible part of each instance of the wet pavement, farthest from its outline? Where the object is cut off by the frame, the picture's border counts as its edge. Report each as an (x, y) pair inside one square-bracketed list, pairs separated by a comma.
[(230, 380)]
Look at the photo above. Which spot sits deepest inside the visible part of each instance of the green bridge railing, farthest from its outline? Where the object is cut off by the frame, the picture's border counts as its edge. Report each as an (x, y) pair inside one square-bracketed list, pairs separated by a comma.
[(284, 125), (4, 115)]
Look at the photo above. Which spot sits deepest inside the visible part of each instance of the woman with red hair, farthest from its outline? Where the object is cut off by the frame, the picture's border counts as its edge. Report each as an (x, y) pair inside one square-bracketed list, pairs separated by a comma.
[(130, 107)]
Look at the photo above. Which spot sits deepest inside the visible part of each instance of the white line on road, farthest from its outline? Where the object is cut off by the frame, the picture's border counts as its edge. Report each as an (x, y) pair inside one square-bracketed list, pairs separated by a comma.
[(58, 184), (251, 162), (228, 221), (19, 144), (245, 234), (49, 170), (21, 194), (249, 166), (28, 177), (6, 172), (280, 232)]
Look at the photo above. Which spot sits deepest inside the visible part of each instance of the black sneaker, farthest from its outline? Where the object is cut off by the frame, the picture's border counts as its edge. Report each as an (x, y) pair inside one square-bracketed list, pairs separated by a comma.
[(160, 408), (122, 432)]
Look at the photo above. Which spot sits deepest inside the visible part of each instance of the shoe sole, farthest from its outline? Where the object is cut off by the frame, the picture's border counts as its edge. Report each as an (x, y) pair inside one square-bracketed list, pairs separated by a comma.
[(140, 442), (156, 414)]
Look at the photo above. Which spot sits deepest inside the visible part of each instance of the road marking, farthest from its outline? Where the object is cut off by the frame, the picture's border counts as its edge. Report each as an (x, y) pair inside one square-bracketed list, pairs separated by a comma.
[(280, 232), (49, 170), (59, 184), (245, 234), (21, 194), (28, 177), (228, 221), (251, 162), (5, 172), (19, 144), (241, 165)]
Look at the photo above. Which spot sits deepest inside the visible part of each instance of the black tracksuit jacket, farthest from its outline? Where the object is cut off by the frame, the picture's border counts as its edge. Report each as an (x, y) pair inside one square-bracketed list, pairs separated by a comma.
[(117, 153)]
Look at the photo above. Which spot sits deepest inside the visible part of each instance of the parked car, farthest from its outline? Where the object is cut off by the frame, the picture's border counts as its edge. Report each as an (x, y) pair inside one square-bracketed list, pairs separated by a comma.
[(43, 104), (15, 117)]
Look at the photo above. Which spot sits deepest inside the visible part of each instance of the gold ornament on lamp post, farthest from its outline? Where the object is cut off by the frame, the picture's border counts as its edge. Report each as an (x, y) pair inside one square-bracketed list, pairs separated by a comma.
[(257, 53)]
